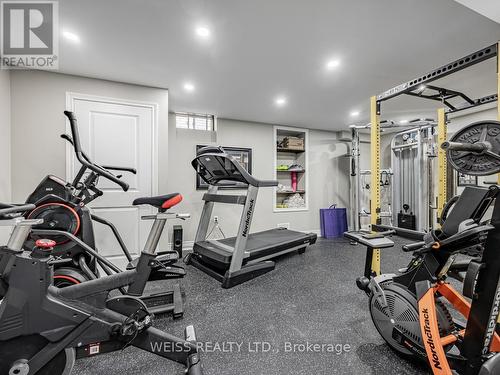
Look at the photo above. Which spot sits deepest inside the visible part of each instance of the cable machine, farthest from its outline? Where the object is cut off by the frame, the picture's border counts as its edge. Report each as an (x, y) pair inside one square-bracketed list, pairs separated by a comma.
[(404, 202), (412, 155)]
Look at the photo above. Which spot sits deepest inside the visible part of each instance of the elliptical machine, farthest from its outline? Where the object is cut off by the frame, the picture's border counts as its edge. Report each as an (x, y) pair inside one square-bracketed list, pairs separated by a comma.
[(44, 329), (69, 223), (62, 206), (408, 308)]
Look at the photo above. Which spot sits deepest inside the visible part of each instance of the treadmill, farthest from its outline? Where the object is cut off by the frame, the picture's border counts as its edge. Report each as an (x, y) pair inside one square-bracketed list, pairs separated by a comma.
[(235, 260)]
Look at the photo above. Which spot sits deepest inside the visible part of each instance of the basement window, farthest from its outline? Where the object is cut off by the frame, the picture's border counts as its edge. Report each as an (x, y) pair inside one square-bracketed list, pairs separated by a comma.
[(194, 121)]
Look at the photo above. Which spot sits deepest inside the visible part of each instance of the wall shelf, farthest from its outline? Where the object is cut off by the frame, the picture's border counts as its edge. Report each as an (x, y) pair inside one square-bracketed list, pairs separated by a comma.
[(291, 209), (284, 155), (279, 149)]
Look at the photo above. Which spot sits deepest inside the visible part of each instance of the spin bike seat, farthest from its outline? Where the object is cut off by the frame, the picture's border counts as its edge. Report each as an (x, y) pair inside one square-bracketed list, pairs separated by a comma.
[(161, 201)]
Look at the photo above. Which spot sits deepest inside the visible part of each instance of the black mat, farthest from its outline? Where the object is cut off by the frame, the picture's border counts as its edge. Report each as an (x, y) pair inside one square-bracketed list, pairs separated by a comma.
[(310, 298)]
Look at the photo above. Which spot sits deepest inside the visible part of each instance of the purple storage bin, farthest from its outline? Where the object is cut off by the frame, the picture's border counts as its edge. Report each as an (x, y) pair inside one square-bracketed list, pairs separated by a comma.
[(333, 222)]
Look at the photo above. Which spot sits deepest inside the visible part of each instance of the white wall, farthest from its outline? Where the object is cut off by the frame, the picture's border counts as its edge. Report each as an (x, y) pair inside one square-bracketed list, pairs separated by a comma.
[(5, 139), (462, 119), (328, 174)]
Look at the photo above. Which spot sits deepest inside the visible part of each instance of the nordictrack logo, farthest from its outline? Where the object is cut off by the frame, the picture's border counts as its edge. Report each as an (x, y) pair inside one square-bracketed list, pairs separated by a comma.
[(490, 329), (430, 340), (248, 218), (29, 35)]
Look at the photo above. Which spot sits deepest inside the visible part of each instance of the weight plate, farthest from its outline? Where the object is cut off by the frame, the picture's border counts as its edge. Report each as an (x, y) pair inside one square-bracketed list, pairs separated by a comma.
[(472, 163)]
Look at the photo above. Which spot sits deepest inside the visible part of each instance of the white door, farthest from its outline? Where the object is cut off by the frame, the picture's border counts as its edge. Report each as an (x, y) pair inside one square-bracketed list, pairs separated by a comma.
[(123, 135)]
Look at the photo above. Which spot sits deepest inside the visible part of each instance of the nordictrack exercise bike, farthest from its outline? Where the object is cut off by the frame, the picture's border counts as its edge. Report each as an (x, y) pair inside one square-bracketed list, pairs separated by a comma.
[(68, 221), (408, 309), (44, 329)]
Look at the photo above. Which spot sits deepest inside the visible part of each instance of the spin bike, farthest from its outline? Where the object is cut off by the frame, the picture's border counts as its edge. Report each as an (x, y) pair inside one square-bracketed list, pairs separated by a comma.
[(68, 221), (44, 329), (408, 308)]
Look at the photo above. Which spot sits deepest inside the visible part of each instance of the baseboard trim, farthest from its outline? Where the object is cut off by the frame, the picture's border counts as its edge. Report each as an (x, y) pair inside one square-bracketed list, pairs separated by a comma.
[(315, 231)]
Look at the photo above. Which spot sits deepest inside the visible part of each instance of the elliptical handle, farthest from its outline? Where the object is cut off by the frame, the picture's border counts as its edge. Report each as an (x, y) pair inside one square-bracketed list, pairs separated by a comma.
[(70, 140), (67, 138), (121, 169), (74, 132), (13, 209), (84, 160)]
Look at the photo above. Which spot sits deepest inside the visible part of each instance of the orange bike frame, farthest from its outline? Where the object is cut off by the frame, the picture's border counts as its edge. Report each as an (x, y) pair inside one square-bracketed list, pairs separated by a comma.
[(434, 344)]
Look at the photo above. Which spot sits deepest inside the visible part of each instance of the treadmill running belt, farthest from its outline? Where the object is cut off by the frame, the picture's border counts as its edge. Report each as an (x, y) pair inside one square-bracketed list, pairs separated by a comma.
[(272, 237), (259, 244)]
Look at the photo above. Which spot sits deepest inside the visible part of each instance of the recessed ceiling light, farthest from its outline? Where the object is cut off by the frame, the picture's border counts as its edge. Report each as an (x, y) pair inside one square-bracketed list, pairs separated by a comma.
[(203, 32), (72, 37), (188, 86), (403, 121), (354, 113), (332, 64), (280, 101)]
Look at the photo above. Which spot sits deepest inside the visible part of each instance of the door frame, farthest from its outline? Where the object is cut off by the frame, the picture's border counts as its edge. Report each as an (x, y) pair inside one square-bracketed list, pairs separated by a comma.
[(70, 106)]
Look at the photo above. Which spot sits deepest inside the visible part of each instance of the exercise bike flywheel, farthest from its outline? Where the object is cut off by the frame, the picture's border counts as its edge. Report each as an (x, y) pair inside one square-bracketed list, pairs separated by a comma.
[(17, 352), (401, 313), (56, 216), (67, 276)]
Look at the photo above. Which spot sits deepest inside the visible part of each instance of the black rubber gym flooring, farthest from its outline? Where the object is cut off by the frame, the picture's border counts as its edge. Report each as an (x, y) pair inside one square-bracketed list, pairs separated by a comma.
[(264, 326)]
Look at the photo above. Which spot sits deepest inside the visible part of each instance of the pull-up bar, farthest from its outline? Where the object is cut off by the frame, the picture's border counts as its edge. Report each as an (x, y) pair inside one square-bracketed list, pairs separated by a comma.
[(443, 71)]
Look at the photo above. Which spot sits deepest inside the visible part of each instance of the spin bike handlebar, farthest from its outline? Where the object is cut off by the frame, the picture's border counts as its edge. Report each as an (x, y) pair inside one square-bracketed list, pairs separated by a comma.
[(84, 159)]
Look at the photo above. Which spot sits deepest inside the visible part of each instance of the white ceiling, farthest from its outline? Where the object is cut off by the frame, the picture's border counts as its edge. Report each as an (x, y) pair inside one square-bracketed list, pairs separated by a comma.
[(260, 49), (488, 8)]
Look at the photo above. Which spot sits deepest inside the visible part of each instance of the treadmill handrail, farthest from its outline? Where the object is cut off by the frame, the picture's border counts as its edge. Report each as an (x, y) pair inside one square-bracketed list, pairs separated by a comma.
[(245, 177)]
